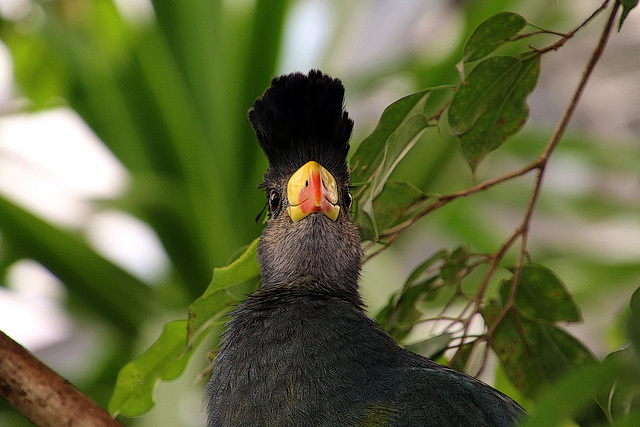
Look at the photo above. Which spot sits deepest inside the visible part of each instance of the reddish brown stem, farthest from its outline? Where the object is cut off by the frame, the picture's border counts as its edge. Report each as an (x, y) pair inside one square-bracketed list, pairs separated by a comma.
[(43, 396)]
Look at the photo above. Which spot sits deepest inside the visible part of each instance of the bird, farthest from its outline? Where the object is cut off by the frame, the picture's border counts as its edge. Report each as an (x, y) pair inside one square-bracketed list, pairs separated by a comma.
[(301, 350)]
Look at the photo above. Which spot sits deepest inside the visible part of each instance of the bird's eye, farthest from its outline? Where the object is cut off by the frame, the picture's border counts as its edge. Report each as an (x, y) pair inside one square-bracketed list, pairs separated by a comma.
[(348, 200), (274, 200)]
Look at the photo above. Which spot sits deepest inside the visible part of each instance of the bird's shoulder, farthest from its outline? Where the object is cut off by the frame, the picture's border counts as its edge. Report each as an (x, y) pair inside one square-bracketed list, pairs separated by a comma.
[(427, 393)]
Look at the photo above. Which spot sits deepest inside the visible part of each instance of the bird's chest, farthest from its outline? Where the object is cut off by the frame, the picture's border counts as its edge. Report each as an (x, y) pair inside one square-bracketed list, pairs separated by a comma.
[(293, 365)]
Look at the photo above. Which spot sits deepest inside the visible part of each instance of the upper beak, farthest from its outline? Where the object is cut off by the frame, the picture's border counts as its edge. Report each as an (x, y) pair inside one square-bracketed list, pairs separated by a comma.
[(312, 189)]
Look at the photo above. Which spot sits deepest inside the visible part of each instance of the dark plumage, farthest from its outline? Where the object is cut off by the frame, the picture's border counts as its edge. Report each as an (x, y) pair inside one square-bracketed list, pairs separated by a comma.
[(301, 118), (301, 351)]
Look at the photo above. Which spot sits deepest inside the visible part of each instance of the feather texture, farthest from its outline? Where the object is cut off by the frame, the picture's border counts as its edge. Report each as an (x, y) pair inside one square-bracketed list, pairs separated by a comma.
[(301, 118)]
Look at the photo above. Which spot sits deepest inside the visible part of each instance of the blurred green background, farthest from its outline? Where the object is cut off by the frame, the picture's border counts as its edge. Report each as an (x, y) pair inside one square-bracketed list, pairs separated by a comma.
[(99, 247)]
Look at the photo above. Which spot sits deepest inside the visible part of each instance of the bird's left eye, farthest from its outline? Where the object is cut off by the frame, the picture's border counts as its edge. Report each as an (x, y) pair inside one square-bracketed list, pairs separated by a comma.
[(348, 200), (274, 200)]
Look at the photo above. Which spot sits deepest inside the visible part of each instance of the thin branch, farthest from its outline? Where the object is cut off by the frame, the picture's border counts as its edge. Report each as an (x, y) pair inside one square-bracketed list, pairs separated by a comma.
[(573, 104), (540, 164), (474, 304), (543, 160), (536, 33), (391, 234), (557, 45), (43, 396)]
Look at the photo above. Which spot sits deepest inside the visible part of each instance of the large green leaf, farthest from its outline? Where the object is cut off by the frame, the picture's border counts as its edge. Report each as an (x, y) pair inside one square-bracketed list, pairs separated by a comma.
[(485, 88), (167, 357), (633, 323), (533, 352), (367, 158), (399, 202), (399, 128), (542, 295), (491, 106), (572, 394), (228, 286), (491, 34), (165, 360)]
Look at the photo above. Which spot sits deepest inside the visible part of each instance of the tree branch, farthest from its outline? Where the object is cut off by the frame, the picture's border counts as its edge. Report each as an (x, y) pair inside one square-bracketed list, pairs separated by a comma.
[(541, 164), (566, 37), (474, 304), (391, 234), (43, 396)]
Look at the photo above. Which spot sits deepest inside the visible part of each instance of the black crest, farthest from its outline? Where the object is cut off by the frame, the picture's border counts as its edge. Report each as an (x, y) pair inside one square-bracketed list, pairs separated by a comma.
[(301, 118)]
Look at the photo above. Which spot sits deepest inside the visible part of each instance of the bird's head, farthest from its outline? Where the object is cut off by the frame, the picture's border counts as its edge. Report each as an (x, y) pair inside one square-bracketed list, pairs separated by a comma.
[(304, 131)]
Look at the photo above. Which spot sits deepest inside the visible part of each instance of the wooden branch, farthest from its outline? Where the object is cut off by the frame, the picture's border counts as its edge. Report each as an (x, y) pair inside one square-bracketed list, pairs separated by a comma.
[(43, 396)]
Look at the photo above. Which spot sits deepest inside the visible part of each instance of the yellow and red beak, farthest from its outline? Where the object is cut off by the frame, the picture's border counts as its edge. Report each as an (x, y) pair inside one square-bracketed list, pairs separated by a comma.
[(312, 189)]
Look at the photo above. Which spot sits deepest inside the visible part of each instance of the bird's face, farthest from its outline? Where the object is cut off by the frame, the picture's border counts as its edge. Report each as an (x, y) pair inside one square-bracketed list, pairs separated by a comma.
[(312, 189), (310, 234)]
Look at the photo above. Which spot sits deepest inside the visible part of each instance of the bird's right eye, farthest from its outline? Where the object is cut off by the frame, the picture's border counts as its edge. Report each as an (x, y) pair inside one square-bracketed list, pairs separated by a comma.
[(274, 200)]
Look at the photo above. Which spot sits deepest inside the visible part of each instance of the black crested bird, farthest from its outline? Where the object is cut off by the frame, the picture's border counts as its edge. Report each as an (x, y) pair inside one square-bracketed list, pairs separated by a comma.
[(301, 351)]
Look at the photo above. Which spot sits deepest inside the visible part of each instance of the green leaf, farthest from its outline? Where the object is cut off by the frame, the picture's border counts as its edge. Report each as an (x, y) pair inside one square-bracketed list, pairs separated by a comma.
[(396, 147), (622, 393), (534, 353), (400, 314), (167, 357), (491, 107), (401, 125), (164, 360), (398, 202), (491, 34), (399, 129), (228, 286), (484, 90), (570, 395), (627, 5), (456, 263), (541, 295), (367, 158), (633, 323)]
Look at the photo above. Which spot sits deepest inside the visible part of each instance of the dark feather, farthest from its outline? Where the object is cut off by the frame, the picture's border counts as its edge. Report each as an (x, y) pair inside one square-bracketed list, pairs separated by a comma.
[(301, 118)]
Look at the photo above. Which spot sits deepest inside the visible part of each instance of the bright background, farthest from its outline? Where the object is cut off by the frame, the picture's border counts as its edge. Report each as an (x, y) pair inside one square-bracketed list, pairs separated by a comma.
[(116, 185)]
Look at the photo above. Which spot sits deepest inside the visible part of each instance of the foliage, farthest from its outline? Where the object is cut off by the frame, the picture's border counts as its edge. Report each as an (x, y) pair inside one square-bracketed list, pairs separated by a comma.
[(167, 357), (159, 98)]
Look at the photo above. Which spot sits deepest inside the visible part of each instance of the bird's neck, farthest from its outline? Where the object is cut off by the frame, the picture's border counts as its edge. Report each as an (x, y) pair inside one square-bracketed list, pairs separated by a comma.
[(277, 296), (315, 254)]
